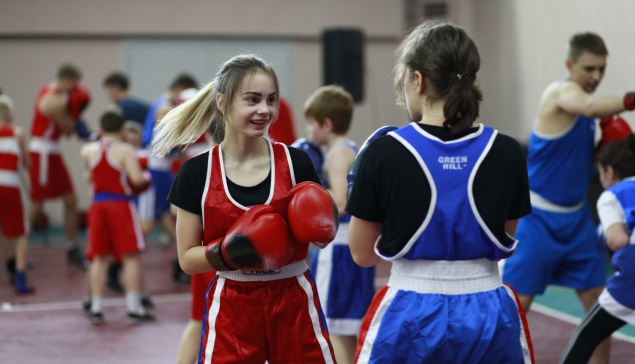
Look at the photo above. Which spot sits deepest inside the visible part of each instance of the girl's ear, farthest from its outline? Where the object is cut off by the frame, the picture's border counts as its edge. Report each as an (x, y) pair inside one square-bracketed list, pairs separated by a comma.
[(220, 102), (420, 82)]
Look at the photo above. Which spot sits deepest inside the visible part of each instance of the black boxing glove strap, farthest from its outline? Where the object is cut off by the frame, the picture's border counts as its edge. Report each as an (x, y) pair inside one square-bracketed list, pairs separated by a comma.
[(214, 256)]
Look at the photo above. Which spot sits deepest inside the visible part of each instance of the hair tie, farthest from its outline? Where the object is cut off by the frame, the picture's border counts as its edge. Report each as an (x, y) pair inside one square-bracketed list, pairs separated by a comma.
[(459, 76)]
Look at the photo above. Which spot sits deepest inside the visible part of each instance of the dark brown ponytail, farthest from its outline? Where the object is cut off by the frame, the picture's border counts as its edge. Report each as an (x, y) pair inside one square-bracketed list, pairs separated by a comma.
[(446, 56)]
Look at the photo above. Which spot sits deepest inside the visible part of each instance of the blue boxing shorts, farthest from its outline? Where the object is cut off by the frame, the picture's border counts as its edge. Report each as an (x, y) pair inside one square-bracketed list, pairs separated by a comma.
[(555, 248), (447, 312), (345, 289)]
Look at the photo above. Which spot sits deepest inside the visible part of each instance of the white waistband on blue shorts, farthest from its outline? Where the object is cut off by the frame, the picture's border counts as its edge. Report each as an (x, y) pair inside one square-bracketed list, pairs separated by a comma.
[(444, 276), (290, 270), (542, 203)]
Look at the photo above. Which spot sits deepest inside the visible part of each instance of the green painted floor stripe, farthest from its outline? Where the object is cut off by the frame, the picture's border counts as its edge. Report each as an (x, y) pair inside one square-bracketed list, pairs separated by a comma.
[(565, 300), (55, 235)]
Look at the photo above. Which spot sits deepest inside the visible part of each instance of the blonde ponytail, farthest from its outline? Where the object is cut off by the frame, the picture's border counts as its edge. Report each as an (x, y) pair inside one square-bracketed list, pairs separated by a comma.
[(185, 123)]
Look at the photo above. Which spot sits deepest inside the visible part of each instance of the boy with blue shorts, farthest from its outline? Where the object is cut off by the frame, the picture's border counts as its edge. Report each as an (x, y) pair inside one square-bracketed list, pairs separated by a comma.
[(345, 289), (559, 236)]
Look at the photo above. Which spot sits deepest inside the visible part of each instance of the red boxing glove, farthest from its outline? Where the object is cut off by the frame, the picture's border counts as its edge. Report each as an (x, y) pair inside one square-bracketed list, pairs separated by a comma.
[(137, 189), (613, 128), (629, 101), (312, 213), (259, 240), (78, 100)]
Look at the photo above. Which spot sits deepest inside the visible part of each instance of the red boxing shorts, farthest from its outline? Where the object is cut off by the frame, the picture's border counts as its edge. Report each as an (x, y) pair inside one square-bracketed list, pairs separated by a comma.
[(275, 317), (49, 177), (198, 286), (12, 213), (113, 228)]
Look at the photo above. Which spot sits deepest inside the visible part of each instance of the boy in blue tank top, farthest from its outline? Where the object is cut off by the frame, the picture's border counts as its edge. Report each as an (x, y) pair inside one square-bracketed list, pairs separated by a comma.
[(558, 236), (345, 289)]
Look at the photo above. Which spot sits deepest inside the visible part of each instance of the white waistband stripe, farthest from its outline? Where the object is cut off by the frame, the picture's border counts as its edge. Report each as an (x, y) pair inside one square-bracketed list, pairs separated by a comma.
[(445, 277), (542, 203), (288, 271)]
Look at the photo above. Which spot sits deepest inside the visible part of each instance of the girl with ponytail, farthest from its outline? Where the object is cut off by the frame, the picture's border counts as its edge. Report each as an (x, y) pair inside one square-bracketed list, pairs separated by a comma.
[(262, 304), (440, 198), (615, 234)]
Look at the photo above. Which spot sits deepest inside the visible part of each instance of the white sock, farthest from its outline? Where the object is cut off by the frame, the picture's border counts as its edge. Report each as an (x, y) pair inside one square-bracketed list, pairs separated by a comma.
[(95, 304), (133, 303)]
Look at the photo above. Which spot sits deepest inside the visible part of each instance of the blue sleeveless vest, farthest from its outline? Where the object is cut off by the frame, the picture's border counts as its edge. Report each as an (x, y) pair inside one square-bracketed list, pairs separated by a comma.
[(559, 167), (621, 285), (453, 228)]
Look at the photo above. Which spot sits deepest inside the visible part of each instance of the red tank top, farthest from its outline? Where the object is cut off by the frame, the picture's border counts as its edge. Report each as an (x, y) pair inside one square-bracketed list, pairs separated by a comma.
[(220, 210), (107, 175), (10, 153), (44, 126)]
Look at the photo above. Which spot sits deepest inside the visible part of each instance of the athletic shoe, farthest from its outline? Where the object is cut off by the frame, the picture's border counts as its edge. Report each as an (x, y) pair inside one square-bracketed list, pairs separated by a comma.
[(135, 318), (147, 303), (96, 318), (21, 285)]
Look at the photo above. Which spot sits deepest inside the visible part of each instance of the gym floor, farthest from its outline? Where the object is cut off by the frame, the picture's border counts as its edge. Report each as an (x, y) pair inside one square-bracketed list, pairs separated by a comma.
[(49, 326)]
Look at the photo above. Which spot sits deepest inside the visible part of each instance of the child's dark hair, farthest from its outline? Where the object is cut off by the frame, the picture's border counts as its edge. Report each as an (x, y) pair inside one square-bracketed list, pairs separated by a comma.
[(185, 81), (111, 122), (118, 79), (69, 70), (620, 155), (449, 59), (586, 42)]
